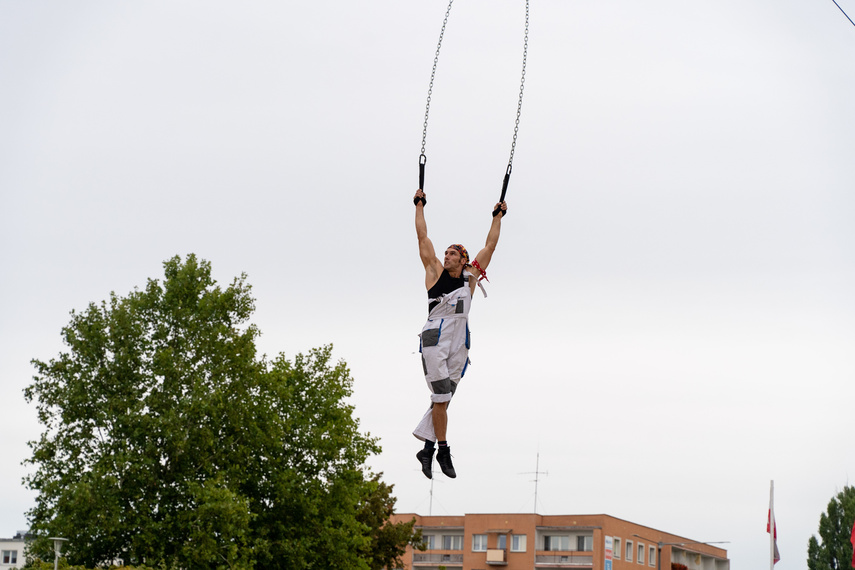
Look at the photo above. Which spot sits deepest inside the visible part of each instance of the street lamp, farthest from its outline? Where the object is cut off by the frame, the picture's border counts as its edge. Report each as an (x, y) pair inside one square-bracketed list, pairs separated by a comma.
[(660, 544), (57, 550)]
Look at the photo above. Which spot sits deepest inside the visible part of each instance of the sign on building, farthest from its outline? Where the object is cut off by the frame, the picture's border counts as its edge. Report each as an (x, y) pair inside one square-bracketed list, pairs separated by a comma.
[(610, 544)]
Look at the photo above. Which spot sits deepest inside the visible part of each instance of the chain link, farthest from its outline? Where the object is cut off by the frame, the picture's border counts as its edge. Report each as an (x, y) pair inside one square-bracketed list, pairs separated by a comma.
[(433, 74), (522, 87), (522, 83)]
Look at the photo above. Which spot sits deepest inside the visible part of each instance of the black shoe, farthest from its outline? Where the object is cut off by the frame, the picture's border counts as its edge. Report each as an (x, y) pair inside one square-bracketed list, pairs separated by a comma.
[(443, 457), (425, 457)]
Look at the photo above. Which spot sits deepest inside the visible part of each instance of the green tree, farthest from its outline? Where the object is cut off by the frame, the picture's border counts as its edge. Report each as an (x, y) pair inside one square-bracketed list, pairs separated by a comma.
[(388, 541), (835, 528), (168, 441)]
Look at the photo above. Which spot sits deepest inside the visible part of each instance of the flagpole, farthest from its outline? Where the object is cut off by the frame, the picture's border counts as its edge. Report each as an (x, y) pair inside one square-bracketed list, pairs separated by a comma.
[(772, 525)]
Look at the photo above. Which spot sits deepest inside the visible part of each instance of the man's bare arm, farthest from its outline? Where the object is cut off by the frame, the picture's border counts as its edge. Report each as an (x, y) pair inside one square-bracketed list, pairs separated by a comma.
[(486, 255), (426, 250)]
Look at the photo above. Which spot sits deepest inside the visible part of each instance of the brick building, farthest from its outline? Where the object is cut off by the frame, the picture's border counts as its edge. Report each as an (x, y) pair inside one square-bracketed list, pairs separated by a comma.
[(531, 542)]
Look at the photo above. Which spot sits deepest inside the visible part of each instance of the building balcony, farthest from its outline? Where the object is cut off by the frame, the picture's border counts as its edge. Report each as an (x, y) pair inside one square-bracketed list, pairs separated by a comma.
[(564, 560), (433, 559), (497, 557)]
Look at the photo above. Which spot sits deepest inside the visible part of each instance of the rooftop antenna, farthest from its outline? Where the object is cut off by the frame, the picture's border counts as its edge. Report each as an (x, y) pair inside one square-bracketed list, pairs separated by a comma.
[(537, 473)]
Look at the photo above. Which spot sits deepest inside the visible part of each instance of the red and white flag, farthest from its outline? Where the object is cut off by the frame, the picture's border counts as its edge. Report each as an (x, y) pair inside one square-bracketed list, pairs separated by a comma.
[(772, 529), (852, 540)]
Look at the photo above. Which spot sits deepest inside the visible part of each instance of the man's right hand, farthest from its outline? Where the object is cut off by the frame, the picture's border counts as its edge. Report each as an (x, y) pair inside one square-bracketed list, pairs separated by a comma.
[(420, 197)]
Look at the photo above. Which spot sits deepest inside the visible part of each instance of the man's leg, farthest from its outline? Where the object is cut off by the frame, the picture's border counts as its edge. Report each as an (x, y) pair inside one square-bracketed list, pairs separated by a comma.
[(440, 426), (440, 419), (434, 361), (456, 365)]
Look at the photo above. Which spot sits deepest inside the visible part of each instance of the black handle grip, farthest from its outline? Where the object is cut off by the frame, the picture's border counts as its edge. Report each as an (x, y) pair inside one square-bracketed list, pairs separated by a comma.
[(422, 162), (505, 183), (504, 191)]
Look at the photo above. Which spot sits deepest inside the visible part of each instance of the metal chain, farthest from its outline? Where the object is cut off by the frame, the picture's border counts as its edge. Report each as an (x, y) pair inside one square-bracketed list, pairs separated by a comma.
[(433, 74), (844, 13), (522, 87), (522, 83)]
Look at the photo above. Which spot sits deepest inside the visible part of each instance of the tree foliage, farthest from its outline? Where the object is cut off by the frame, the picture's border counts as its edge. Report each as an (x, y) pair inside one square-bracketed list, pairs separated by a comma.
[(36, 564), (835, 528), (168, 441)]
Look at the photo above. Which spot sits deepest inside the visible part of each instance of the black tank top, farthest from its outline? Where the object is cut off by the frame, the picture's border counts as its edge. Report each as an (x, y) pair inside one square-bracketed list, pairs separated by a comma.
[(446, 284)]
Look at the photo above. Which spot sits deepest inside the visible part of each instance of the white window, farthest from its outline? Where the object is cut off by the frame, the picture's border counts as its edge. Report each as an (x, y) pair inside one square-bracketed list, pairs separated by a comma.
[(517, 543), (10, 557), (640, 558), (628, 551), (556, 542), (479, 542), (651, 556), (585, 543), (452, 542), (430, 541), (503, 542), (617, 548)]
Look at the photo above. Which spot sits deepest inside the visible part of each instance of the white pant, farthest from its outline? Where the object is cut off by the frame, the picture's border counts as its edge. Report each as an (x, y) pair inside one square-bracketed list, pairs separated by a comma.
[(445, 356)]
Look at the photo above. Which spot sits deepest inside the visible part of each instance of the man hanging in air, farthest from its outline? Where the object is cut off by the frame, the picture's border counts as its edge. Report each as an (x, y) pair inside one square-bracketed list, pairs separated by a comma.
[(450, 284)]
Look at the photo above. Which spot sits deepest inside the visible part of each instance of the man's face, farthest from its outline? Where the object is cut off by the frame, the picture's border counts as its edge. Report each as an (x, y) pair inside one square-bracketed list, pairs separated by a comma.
[(453, 260)]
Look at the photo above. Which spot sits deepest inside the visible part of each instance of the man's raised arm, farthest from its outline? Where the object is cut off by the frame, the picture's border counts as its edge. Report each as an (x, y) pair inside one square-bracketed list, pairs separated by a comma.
[(486, 255), (426, 250)]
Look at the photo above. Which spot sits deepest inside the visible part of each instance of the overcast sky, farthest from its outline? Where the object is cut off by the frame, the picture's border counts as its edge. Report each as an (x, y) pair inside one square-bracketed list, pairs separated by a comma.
[(671, 318)]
